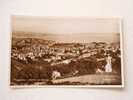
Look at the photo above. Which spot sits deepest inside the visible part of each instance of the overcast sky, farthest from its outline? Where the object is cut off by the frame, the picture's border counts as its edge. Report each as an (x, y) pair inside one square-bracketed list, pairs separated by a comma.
[(65, 25), (108, 27)]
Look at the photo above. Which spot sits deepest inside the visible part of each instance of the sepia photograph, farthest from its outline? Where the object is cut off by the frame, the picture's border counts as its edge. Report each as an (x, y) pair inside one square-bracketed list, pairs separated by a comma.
[(66, 51)]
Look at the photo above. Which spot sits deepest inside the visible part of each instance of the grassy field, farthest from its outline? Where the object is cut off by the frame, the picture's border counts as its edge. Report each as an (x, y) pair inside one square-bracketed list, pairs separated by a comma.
[(93, 79)]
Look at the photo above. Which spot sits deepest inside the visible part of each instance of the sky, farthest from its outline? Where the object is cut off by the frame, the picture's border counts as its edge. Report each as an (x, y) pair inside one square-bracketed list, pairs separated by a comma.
[(87, 28)]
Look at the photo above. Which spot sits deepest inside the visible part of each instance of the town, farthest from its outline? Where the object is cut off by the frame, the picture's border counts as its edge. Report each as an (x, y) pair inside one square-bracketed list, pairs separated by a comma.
[(47, 59)]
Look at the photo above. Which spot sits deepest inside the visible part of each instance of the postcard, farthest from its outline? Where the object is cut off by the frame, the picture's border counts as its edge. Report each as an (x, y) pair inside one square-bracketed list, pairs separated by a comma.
[(66, 51)]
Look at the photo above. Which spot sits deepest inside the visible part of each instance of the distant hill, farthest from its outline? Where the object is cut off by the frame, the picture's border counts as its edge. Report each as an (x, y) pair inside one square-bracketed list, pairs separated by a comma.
[(71, 38), (29, 41), (21, 34)]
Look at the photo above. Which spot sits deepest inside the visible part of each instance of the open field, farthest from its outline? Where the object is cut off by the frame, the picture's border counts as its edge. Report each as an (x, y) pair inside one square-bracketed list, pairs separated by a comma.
[(93, 79)]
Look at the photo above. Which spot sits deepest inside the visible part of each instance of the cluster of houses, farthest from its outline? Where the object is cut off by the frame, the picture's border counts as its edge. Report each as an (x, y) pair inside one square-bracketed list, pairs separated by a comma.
[(62, 53)]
